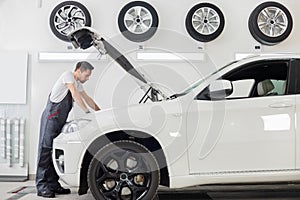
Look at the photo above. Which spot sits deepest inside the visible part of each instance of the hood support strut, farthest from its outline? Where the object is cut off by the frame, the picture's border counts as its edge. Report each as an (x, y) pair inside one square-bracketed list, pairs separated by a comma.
[(122, 60), (86, 37)]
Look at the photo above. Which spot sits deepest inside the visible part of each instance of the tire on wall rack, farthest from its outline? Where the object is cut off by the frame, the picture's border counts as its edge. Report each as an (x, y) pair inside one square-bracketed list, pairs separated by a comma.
[(138, 21), (270, 23), (67, 17), (204, 22)]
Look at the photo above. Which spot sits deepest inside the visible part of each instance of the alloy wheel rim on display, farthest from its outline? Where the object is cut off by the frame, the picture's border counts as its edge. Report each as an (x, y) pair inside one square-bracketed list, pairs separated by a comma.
[(138, 20), (205, 21), (272, 21), (69, 18)]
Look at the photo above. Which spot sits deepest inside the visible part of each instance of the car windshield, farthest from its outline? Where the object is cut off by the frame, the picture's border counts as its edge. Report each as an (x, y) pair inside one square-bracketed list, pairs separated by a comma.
[(196, 84)]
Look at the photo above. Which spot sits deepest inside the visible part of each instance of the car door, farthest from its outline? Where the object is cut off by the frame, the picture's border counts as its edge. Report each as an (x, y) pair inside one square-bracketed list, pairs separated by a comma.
[(254, 132), (295, 84)]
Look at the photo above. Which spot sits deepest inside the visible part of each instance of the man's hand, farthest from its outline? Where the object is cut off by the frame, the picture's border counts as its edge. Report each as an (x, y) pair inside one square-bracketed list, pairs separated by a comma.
[(89, 101)]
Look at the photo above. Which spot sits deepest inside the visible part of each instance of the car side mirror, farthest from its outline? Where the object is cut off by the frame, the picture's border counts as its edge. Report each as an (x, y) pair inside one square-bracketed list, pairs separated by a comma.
[(220, 89)]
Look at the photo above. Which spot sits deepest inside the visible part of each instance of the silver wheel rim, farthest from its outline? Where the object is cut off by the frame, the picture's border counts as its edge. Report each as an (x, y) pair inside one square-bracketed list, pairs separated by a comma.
[(138, 20), (68, 19), (206, 21), (272, 21)]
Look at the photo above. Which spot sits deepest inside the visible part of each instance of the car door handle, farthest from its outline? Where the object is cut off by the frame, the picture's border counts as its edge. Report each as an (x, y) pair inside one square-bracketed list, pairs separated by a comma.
[(177, 114), (281, 105)]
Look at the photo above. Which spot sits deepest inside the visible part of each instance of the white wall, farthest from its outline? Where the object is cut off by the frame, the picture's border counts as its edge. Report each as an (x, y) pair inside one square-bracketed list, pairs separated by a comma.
[(24, 25)]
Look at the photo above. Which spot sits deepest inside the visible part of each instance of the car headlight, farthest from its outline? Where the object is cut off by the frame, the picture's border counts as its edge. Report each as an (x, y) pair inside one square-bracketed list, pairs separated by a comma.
[(75, 125)]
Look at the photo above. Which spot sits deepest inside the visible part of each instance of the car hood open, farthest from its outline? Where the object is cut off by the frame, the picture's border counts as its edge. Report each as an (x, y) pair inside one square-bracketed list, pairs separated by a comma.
[(86, 37)]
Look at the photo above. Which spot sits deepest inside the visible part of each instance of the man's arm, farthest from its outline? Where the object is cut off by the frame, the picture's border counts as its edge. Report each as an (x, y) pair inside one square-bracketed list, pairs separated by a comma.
[(89, 101), (77, 97)]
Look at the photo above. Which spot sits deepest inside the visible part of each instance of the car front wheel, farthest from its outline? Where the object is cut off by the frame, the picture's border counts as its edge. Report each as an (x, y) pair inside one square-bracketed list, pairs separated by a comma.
[(123, 170)]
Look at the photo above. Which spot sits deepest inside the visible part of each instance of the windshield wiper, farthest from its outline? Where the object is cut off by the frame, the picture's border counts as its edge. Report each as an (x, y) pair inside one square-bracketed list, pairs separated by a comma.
[(151, 94), (174, 96)]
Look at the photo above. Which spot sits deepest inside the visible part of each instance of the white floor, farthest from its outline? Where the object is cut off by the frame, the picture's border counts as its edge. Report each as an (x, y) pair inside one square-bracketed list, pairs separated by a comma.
[(220, 192), (28, 193), (7, 187)]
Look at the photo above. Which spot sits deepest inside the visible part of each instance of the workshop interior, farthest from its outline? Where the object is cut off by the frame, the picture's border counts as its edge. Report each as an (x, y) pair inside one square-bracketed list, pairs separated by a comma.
[(157, 66)]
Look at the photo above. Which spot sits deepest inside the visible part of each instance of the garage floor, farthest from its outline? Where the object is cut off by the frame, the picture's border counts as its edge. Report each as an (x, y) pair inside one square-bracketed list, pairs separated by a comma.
[(26, 191)]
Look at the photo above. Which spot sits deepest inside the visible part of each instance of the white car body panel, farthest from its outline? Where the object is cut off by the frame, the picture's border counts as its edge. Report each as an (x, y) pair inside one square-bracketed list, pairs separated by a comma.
[(237, 144), (297, 139), (157, 118), (205, 142)]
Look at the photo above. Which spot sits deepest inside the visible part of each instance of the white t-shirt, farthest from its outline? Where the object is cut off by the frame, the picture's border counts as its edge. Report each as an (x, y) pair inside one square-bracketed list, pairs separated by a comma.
[(60, 90)]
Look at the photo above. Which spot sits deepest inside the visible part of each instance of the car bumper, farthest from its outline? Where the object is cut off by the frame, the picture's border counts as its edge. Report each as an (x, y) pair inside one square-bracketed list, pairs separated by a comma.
[(67, 154)]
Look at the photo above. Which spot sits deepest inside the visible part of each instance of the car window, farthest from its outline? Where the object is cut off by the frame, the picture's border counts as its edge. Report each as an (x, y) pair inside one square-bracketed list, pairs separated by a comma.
[(258, 79), (279, 86)]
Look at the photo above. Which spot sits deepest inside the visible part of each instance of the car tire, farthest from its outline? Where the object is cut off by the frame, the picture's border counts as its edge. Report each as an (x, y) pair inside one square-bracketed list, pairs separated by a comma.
[(123, 170), (67, 17), (138, 21), (270, 23), (204, 22)]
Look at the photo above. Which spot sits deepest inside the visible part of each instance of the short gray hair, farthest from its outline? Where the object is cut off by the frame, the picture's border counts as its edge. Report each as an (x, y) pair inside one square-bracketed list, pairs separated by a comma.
[(83, 66)]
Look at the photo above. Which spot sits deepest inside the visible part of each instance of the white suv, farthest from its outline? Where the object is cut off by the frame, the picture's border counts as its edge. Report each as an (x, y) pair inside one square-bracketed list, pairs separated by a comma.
[(237, 125)]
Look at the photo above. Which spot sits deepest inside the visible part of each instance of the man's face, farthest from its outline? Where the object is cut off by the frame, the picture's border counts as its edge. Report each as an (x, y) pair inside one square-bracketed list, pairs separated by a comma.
[(84, 76)]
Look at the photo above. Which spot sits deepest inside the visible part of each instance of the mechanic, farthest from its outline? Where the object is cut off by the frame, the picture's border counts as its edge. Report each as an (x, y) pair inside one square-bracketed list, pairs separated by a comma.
[(60, 102)]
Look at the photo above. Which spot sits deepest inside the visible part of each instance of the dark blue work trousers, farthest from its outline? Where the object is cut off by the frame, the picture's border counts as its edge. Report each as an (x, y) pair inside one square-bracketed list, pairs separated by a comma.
[(53, 119)]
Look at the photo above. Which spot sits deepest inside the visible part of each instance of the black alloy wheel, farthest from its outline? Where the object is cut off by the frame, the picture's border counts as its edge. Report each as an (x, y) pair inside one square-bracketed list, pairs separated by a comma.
[(68, 16), (124, 170)]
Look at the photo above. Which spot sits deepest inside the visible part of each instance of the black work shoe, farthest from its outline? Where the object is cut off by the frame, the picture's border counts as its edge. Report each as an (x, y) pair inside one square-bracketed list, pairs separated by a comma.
[(46, 194), (61, 190)]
